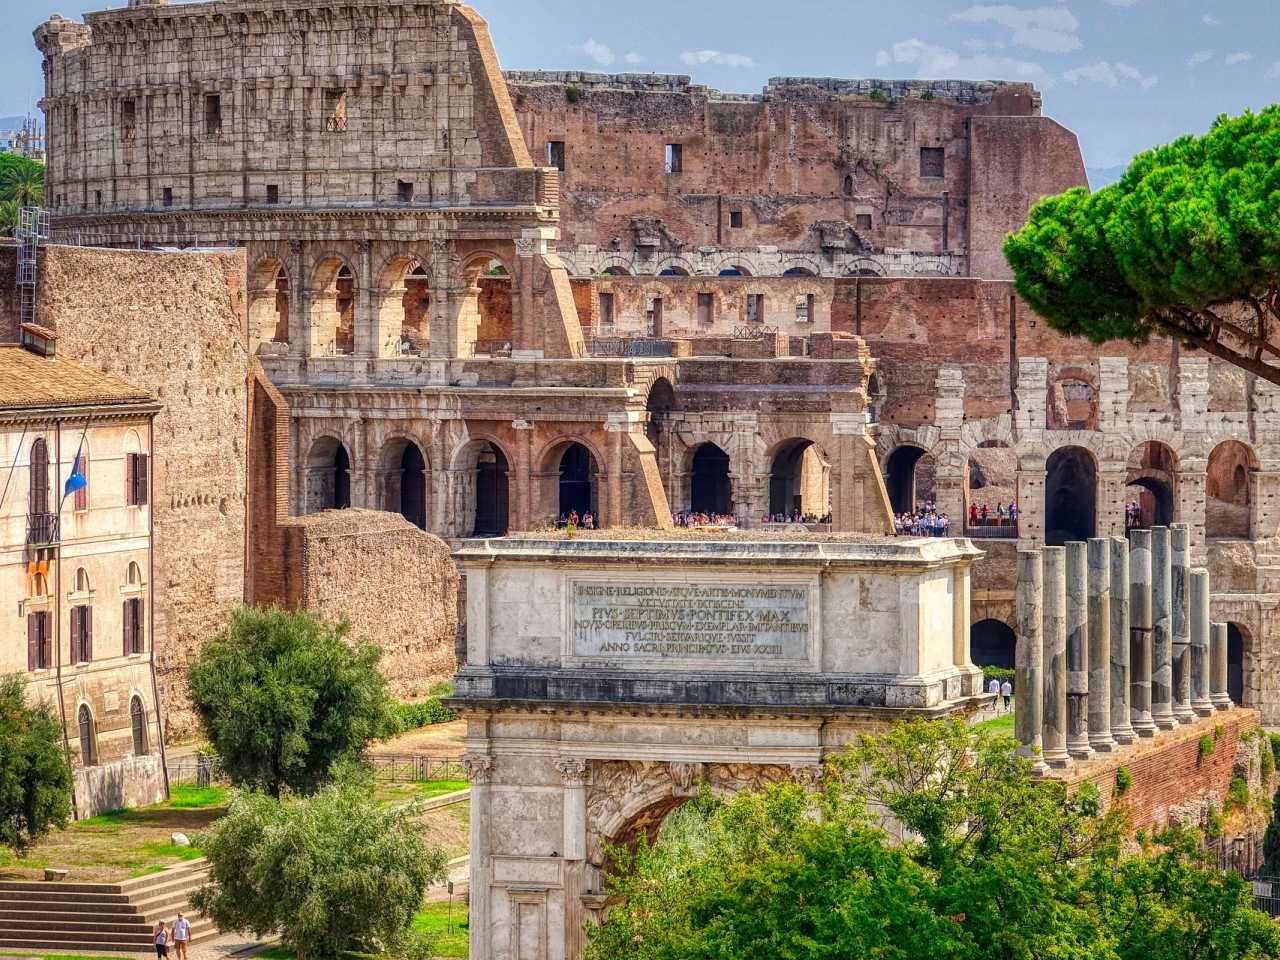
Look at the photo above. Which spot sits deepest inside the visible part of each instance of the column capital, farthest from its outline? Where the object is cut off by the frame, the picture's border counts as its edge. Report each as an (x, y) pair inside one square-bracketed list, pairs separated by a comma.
[(574, 770), (479, 768)]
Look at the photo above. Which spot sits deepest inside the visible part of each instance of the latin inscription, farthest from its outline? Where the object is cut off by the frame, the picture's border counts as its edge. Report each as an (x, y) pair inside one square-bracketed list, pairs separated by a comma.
[(691, 621)]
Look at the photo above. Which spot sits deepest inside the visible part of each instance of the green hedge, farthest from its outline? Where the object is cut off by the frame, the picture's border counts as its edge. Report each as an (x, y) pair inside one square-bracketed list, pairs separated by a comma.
[(412, 716)]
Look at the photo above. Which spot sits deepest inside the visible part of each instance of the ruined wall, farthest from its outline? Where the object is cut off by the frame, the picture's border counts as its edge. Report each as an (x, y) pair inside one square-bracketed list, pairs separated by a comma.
[(395, 584), (173, 324)]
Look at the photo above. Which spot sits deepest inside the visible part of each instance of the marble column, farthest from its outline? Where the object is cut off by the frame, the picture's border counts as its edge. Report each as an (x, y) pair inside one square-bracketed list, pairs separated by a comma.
[(1078, 651), (479, 772), (1121, 727), (1162, 629), (1140, 633), (1055, 657), (1218, 667), (1028, 708), (1200, 701), (1180, 550), (574, 771), (1099, 588)]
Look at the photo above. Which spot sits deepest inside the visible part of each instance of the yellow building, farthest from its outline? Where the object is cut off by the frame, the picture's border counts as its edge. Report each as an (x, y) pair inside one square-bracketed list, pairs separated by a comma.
[(75, 564)]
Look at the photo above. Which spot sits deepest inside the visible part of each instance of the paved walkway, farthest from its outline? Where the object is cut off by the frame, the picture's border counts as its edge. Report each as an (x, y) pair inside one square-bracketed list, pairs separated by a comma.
[(230, 945)]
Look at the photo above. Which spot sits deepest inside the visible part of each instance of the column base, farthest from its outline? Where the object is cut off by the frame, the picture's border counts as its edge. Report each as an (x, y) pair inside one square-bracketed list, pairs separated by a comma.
[(1185, 714), (1102, 744), (1223, 703), (1202, 708), (1058, 760), (1164, 721), (1123, 737), (1080, 750), (1144, 728)]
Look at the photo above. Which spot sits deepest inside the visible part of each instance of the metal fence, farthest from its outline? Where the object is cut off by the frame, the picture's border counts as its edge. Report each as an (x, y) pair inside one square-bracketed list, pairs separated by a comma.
[(1266, 895), (629, 347), (992, 531), (204, 771)]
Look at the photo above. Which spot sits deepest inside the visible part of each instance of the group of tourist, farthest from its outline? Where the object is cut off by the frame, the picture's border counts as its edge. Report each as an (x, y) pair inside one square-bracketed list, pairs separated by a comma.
[(1004, 690), (981, 516), (179, 934), (925, 522), (795, 516), (584, 522), (1133, 515), (697, 518)]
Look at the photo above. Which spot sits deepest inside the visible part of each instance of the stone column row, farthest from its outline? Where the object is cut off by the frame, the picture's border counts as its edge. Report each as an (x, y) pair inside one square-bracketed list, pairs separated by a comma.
[(1113, 643)]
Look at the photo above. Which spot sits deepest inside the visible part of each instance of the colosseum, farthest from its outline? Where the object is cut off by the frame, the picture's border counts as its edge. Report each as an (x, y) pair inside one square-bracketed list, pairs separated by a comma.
[(491, 300)]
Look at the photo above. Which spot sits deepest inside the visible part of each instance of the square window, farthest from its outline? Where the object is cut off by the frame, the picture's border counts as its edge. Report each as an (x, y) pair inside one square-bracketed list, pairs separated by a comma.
[(555, 154), (404, 191), (675, 158), (735, 219), (933, 162), (273, 193), (863, 221)]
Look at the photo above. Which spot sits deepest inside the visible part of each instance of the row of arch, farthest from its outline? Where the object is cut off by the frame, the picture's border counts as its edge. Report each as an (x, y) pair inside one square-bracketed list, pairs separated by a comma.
[(731, 265), (87, 728)]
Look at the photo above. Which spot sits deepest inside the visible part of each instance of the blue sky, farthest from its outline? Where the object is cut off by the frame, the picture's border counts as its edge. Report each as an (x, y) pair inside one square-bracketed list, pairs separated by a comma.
[(1123, 74)]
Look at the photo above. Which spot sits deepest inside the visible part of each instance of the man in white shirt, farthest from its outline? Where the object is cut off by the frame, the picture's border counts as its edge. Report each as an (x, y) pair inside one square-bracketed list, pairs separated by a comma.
[(1006, 691), (993, 687), (181, 936)]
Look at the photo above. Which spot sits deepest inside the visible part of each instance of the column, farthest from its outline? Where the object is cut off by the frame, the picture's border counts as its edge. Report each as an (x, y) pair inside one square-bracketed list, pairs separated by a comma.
[(1028, 709), (366, 322), (479, 772), (1162, 629), (1054, 718), (1099, 573), (1200, 701), (1121, 728), (1140, 633), (299, 307), (574, 773), (1180, 550), (1218, 667), (1078, 651)]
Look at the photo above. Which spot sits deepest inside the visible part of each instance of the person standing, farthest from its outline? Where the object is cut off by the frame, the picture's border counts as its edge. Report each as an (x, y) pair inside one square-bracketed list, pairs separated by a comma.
[(1006, 691), (181, 936), (161, 937)]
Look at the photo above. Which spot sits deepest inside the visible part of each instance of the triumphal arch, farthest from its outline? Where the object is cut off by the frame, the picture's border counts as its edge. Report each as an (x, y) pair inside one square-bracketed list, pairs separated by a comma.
[(609, 680)]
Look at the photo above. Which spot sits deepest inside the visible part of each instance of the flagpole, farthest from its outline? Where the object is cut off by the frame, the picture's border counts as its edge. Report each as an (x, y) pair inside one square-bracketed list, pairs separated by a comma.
[(74, 463)]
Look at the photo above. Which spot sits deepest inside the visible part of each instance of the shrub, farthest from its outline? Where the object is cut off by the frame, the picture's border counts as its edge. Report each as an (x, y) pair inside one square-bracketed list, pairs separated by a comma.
[(1217, 732), (1237, 794), (1206, 747), (35, 778), (1275, 746), (1214, 824), (1267, 758), (412, 716), (1124, 780), (879, 96), (573, 94)]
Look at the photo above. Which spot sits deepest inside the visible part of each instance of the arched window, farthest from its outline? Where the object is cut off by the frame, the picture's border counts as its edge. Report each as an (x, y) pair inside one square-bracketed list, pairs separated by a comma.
[(38, 497), (82, 580), (88, 749), (138, 722), (848, 185), (135, 575)]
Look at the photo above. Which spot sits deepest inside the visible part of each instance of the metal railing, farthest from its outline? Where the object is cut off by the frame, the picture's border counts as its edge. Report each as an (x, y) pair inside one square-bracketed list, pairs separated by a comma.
[(42, 529), (629, 347), (992, 531)]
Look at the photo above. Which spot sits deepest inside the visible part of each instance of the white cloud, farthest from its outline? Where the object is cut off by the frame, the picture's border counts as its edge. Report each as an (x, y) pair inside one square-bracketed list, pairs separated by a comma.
[(1199, 57), (1209, 20), (632, 57), (696, 58), (1050, 29), (1235, 59), (598, 52), (929, 61), (1111, 75)]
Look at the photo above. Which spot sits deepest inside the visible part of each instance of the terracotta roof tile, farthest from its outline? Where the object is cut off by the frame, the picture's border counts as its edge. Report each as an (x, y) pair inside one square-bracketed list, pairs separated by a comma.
[(30, 381)]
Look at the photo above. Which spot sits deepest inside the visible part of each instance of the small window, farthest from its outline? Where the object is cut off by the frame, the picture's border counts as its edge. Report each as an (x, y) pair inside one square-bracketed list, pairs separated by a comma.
[(168, 196), (675, 158), (706, 309), (755, 307), (88, 752), (138, 723), (404, 191), (335, 106), (863, 221), (73, 126), (81, 634), (81, 501), (653, 318), (804, 309), (933, 162), (735, 219), (97, 198), (128, 119), (606, 309), (212, 115), (135, 630), (555, 154), (273, 193), (134, 576), (39, 640), (848, 185), (135, 485)]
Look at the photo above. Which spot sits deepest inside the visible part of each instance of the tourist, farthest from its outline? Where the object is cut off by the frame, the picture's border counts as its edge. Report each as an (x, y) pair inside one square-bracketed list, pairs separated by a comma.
[(993, 687), (973, 514), (1006, 691), (588, 521), (161, 938), (181, 936), (573, 518), (985, 514), (1013, 513)]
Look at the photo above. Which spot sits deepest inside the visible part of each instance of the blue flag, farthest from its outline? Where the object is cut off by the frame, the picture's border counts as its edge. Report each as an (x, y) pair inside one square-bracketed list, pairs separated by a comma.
[(77, 480)]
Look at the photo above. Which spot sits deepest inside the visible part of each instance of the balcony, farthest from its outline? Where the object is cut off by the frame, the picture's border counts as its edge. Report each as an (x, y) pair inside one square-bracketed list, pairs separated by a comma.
[(42, 529)]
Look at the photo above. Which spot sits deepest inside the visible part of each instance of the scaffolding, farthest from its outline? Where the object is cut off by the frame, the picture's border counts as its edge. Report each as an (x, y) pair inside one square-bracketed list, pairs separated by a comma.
[(33, 230)]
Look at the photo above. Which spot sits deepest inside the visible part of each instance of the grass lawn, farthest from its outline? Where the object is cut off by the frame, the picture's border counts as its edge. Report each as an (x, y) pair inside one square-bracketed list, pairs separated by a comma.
[(1001, 725), (445, 924), (407, 791), (5, 951)]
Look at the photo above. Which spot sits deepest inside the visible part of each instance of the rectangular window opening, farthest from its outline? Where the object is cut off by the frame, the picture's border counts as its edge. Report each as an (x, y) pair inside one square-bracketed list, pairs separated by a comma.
[(863, 221), (653, 318), (675, 158), (933, 162), (555, 154), (606, 309), (212, 115), (404, 191), (128, 118), (735, 219), (804, 309), (97, 198), (168, 196), (755, 307), (335, 105), (706, 309), (273, 193)]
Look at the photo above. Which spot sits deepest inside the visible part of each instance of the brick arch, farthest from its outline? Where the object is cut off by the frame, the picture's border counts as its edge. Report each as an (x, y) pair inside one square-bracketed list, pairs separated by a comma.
[(864, 266), (797, 262), (675, 262)]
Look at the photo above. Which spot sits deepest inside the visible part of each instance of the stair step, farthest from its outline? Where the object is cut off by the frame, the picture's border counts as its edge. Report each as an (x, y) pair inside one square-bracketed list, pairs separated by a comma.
[(80, 924), (83, 946), (116, 911), (175, 874), (55, 896), (62, 936), (55, 886)]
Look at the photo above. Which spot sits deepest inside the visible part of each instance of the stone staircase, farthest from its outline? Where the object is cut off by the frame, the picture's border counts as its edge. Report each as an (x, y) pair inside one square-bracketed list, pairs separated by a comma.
[(101, 917)]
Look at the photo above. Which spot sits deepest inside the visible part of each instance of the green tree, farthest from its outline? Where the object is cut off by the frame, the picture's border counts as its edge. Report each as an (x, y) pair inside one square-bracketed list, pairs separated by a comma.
[(283, 696), (985, 862), (8, 217), (35, 779), (1186, 244), (23, 182), (330, 872)]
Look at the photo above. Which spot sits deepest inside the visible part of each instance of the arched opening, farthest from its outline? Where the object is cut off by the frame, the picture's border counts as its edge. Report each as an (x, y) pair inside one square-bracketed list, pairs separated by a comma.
[(673, 272), (578, 483), (333, 309), (1228, 513), (134, 575), (992, 643), (991, 490), (1072, 404), (1236, 646), (486, 318), (909, 478), (799, 483), (268, 296), (1150, 486), (735, 270), (403, 479), (710, 489), (492, 493), (328, 476), (1070, 496), (847, 187), (659, 404), (138, 724), (88, 736), (615, 271), (415, 327), (799, 272)]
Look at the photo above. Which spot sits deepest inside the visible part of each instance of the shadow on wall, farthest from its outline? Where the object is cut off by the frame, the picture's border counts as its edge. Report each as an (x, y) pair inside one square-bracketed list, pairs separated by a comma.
[(129, 782)]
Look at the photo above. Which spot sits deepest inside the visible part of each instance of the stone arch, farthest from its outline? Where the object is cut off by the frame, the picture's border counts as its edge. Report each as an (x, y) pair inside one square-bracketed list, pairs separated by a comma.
[(486, 311), (710, 485), (570, 465), (328, 475), (1151, 482), (334, 289), (659, 404), (675, 266), (734, 269), (88, 735), (269, 297), (1229, 491), (865, 267), (991, 481), (1072, 401), (992, 643), (615, 270), (799, 479), (404, 305), (483, 502), (910, 477), (402, 479), (138, 724), (1070, 495), (794, 265)]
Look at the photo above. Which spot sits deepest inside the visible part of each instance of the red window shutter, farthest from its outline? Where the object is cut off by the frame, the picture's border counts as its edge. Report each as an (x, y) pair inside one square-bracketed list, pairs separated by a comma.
[(82, 495), (46, 639), (86, 621), (77, 633), (142, 479), (128, 620), (33, 641), (130, 487)]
